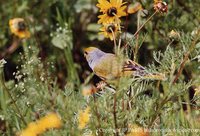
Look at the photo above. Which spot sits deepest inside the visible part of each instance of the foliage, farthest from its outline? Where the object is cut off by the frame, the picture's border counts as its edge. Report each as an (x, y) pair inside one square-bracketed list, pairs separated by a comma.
[(47, 72)]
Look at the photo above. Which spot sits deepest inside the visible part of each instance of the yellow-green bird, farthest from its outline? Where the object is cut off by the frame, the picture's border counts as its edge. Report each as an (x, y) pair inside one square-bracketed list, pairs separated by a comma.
[(108, 66)]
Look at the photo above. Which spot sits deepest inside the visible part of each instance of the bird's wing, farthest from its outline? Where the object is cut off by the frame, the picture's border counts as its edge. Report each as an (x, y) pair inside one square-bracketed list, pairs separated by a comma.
[(131, 65), (133, 69), (108, 67)]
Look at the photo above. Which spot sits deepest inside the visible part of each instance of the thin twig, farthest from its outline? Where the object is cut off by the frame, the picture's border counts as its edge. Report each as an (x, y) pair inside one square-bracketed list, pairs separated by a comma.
[(115, 114), (192, 46), (100, 132), (12, 48), (114, 36), (158, 111), (114, 39), (13, 100), (137, 38), (138, 30), (126, 23), (129, 105)]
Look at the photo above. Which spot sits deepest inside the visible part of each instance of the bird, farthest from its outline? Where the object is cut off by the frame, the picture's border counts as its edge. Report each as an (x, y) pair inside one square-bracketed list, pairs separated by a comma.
[(109, 66)]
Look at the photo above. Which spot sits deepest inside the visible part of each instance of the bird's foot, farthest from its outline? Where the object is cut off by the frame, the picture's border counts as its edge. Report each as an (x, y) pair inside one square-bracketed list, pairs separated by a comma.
[(101, 85)]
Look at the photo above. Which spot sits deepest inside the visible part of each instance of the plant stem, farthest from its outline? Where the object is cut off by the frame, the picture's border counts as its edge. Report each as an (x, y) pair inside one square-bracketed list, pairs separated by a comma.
[(158, 111), (12, 48), (100, 133), (138, 30), (129, 99), (192, 46), (114, 39), (71, 70), (115, 114), (137, 37), (12, 99)]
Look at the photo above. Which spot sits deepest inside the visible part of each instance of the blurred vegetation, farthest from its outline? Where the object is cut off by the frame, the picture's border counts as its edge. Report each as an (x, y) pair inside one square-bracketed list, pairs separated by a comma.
[(47, 72)]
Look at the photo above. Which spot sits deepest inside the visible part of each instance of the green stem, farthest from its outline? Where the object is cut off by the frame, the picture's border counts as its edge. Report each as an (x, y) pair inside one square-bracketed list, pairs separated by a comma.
[(182, 65), (115, 114), (158, 111), (114, 40), (71, 70), (9, 94), (137, 38), (26, 50), (138, 30), (100, 132)]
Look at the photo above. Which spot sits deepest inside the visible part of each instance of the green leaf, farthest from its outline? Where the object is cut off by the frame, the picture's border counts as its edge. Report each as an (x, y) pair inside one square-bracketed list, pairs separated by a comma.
[(59, 41), (93, 27), (83, 5)]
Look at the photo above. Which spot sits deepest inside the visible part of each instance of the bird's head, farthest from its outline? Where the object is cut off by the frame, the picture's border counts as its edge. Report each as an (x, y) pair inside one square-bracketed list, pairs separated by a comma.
[(92, 54)]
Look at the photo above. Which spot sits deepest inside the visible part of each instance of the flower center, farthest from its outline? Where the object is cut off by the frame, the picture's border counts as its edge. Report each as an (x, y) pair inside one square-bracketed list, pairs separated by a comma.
[(21, 26), (112, 12), (111, 28)]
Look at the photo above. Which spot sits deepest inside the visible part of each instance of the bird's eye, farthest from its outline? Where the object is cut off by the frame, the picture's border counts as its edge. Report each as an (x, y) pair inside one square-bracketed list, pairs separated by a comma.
[(86, 53)]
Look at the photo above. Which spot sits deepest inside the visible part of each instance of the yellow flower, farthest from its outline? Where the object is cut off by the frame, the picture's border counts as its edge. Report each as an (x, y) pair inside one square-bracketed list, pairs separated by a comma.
[(31, 130), (52, 120), (112, 10), (84, 117), (110, 30), (19, 28), (136, 130)]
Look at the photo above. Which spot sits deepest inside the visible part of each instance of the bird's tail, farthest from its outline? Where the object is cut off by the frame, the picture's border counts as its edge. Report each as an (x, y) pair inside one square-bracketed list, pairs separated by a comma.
[(134, 69), (154, 76)]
